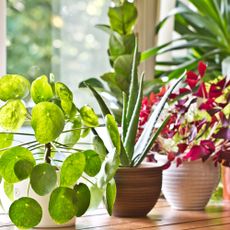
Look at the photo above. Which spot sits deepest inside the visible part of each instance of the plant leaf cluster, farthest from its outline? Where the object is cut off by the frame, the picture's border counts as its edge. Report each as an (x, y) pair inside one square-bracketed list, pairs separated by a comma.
[(54, 161), (122, 19), (204, 28)]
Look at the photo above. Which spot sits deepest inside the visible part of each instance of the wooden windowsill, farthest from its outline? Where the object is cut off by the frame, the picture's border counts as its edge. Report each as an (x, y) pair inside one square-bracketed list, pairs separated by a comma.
[(215, 217)]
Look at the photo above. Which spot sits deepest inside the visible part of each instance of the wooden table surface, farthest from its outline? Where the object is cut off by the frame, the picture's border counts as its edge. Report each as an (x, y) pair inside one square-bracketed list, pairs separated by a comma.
[(214, 217)]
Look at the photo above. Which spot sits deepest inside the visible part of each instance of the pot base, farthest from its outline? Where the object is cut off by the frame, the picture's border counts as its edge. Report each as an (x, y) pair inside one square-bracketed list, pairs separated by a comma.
[(138, 190)]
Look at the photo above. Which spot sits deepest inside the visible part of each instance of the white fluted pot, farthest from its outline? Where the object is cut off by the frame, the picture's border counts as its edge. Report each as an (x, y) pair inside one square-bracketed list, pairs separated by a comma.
[(190, 186)]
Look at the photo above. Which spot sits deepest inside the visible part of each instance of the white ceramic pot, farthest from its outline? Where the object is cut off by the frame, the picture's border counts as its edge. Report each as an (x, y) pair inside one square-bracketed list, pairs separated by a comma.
[(20, 190), (190, 186)]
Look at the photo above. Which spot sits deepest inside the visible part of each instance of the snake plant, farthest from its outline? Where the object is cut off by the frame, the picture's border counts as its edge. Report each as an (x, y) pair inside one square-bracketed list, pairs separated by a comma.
[(132, 153)]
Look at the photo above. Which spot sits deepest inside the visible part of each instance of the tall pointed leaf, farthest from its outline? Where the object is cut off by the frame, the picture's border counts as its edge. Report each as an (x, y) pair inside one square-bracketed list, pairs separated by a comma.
[(145, 137), (133, 89), (133, 124)]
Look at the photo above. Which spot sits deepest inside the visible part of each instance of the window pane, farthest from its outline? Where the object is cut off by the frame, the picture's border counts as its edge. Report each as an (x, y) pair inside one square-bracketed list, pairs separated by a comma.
[(29, 37)]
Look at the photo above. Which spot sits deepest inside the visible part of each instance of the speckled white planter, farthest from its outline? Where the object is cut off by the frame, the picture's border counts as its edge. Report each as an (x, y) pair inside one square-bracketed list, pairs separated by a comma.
[(190, 186)]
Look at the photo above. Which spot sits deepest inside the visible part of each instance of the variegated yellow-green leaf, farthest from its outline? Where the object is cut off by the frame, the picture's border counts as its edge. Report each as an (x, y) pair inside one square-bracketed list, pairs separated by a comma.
[(10, 158), (13, 86), (93, 163), (6, 140), (25, 212), (89, 117), (65, 95), (47, 121), (13, 115), (63, 204), (113, 132), (72, 169), (41, 90), (71, 138)]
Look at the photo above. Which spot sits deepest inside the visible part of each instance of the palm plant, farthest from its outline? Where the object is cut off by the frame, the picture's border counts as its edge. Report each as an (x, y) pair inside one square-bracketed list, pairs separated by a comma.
[(204, 28)]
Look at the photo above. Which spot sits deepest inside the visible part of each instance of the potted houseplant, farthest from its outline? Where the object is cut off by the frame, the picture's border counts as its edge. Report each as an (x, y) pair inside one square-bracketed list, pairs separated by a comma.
[(138, 184), (122, 19), (196, 138), (52, 173)]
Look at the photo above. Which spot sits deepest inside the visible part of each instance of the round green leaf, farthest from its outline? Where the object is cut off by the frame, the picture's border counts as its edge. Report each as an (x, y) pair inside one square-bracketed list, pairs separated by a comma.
[(13, 87), (23, 168), (96, 196), (9, 190), (41, 90), (99, 147), (25, 212), (63, 204), (88, 116), (47, 121), (13, 115), (66, 96), (83, 198), (43, 178), (9, 159), (6, 140), (72, 169), (71, 138), (93, 163)]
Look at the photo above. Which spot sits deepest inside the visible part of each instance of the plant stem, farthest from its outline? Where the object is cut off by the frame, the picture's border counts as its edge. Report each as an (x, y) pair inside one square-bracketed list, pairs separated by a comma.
[(88, 180), (47, 153), (23, 144), (24, 134)]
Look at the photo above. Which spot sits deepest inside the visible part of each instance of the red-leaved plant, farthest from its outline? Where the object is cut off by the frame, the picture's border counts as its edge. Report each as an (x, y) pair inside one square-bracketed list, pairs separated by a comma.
[(199, 125)]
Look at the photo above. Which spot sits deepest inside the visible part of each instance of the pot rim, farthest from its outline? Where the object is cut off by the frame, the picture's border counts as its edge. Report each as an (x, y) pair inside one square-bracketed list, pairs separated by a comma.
[(143, 166)]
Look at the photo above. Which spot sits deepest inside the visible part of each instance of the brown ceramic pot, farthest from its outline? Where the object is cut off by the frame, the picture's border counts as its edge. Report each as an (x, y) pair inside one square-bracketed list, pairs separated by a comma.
[(138, 190)]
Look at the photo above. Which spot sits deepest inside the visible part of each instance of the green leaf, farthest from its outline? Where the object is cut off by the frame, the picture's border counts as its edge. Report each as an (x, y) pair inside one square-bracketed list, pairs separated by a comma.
[(116, 45), (13, 115), (151, 142), (23, 169), (93, 82), (72, 137), (133, 88), (93, 163), (123, 18), (83, 198), (41, 90), (6, 140), (63, 204), (104, 28), (99, 147), (89, 117), (47, 121), (130, 137), (25, 212), (113, 131), (72, 169), (43, 178), (13, 87), (122, 67), (111, 192), (146, 135), (9, 190), (104, 108), (8, 160), (66, 96), (85, 132)]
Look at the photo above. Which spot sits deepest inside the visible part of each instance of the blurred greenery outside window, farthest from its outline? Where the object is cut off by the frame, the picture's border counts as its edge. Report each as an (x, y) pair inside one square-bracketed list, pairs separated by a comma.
[(57, 36)]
